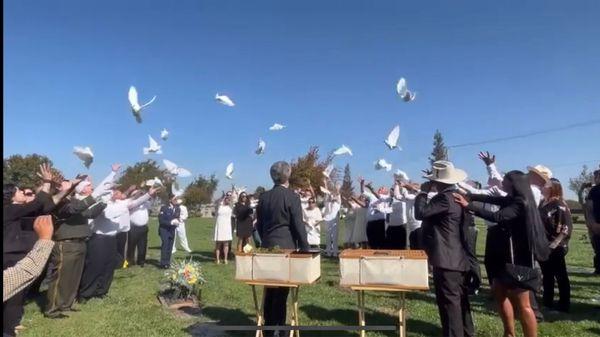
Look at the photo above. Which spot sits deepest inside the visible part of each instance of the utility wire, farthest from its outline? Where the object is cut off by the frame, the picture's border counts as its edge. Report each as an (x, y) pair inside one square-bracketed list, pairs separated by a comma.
[(525, 135)]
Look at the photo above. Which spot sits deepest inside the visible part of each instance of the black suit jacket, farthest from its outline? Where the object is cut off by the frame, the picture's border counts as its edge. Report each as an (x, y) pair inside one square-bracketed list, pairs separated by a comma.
[(443, 236), (279, 219)]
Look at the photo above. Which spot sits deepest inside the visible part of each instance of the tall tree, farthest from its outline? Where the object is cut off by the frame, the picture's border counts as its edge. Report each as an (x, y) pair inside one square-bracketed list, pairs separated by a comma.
[(145, 170), (585, 176), (309, 168), (22, 170), (347, 189), (200, 191), (440, 151)]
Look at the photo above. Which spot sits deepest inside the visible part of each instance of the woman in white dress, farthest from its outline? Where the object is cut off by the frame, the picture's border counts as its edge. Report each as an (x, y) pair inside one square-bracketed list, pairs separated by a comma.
[(223, 230), (356, 235)]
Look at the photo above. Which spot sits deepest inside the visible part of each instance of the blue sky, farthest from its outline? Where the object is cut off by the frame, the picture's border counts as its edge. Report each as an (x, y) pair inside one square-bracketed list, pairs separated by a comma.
[(326, 69)]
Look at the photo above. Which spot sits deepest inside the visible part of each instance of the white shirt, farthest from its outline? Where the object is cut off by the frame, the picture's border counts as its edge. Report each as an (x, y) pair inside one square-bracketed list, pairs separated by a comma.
[(332, 208), (304, 202), (378, 207), (183, 213), (312, 217), (103, 189), (139, 215), (409, 207), (115, 217), (537, 194), (491, 191)]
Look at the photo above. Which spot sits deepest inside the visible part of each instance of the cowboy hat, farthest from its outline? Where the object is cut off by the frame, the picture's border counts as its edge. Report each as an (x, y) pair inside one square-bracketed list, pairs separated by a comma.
[(444, 172), (542, 171)]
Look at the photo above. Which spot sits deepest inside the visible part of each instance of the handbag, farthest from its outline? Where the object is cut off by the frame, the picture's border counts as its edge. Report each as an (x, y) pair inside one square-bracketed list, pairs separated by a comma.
[(518, 276)]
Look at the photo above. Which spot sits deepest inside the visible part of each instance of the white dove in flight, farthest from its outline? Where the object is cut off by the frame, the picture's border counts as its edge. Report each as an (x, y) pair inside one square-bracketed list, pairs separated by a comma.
[(403, 91), (223, 99), (176, 170), (154, 182), (177, 192), (392, 139), (164, 134), (135, 104), (261, 147), (381, 164), (328, 170), (277, 127), (153, 147), (229, 171), (85, 154), (402, 176), (342, 150)]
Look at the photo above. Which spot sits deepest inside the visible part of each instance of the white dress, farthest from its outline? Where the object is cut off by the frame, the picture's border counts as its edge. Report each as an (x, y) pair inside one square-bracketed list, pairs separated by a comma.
[(223, 231)]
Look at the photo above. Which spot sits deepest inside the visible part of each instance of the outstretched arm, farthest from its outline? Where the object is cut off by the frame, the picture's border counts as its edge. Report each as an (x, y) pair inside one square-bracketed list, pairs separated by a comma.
[(104, 185)]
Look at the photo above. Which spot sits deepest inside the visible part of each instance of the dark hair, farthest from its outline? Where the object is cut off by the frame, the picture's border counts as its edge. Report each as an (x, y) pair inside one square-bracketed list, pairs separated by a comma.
[(8, 192), (536, 233), (556, 190)]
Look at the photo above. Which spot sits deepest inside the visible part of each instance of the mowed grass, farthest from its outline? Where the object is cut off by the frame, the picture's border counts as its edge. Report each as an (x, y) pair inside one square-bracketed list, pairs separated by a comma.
[(132, 309)]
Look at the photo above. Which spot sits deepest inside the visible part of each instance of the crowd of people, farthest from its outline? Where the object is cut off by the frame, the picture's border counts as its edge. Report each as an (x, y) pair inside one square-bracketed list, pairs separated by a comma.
[(86, 232)]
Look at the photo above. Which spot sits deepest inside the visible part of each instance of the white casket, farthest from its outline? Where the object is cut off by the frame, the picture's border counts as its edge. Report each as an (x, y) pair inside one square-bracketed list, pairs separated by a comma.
[(386, 268), (285, 267)]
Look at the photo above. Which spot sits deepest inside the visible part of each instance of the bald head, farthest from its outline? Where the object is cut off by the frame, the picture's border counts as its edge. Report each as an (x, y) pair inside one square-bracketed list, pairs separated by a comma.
[(280, 172)]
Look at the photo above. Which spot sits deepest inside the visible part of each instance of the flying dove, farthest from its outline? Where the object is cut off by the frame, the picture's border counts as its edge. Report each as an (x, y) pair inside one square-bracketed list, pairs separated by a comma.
[(342, 150), (381, 164), (164, 134), (135, 104), (277, 127), (403, 91), (229, 171), (154, 182), (402, 176), (153, 147), (177, 192), (328, 170), (261, 147), (175, 170), (392, 138), (84, 154), (223, 99)]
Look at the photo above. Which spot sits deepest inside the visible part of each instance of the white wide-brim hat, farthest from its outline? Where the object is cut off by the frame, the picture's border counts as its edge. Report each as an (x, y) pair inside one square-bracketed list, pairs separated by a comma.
[(444, 172), (542, 171)]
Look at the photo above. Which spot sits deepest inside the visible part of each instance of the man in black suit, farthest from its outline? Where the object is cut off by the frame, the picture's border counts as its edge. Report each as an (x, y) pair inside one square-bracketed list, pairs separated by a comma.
[(168, 220), (444, 238), (279, 223)]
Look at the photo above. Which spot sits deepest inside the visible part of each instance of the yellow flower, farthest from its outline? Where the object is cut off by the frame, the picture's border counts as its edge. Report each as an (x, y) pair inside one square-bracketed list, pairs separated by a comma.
[(193, 280)]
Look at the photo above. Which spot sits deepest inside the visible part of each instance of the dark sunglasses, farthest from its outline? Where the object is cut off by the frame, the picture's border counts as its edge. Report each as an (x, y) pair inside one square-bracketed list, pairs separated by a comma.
[(29, 194)]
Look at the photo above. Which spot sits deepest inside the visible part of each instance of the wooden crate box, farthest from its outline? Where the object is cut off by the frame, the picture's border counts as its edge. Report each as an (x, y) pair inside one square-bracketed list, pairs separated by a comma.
[(243, 267), (287, 267), (271, 267), (395, 268)]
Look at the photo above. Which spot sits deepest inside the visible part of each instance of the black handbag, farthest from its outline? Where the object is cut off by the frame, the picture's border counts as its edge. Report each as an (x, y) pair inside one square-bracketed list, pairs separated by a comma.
[(518, 276)]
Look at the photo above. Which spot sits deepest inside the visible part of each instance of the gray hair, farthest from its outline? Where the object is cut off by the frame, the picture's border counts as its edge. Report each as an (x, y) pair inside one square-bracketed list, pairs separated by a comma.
[(280, 172)]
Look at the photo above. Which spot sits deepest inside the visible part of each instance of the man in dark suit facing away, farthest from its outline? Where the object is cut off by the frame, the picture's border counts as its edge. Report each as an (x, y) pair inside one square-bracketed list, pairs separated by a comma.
[(279, 223), (167, 223), (444, 239)]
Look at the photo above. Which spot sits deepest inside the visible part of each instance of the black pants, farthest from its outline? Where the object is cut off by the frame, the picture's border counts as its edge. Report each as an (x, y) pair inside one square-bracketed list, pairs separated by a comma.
[(376, 234), (12, 309), (415, 239), (64, 275), (553, 269), (256, 238), (453, 303), (275, 307), (99, 267), (121, 244), (137, 239), (395, 237), (595, 239), (472, 239), (167, 238)]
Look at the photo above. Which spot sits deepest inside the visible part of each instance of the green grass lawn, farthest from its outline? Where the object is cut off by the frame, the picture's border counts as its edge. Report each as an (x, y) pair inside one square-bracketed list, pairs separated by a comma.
[(131, 307)]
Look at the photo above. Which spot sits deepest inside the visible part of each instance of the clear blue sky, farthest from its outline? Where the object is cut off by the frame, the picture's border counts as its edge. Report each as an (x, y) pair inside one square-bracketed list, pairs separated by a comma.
[(327, 69)]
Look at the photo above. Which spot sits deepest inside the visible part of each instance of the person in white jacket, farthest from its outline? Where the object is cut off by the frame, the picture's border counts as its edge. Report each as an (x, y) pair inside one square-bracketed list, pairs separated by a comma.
[(180, 234)]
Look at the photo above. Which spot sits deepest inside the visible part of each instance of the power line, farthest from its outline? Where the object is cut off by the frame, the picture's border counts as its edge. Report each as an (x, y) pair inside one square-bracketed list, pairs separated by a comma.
[(525, 135)]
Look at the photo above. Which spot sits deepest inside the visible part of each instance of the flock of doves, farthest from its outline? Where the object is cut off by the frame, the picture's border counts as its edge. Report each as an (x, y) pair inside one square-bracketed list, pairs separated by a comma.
[(86, 155)]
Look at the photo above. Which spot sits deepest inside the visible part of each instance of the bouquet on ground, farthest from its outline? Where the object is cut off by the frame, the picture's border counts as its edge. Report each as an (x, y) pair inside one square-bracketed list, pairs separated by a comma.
[(184, 278)]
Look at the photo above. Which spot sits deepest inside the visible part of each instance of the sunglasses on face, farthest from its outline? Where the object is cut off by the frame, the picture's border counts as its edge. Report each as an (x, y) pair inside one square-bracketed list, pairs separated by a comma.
[(28, 194)]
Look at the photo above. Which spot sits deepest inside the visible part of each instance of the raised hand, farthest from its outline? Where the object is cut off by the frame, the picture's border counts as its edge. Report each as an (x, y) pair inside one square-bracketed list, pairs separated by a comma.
[(45, 173), (427, 172), (487, 158), (116, 167), (42, 225), (460, 200), (152, 191)]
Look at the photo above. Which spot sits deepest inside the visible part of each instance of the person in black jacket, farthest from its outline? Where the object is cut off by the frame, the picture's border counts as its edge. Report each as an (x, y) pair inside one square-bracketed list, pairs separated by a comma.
[(279, 223), (168, 219), (444, 239), (556, 217), (243, 215), (18, 236), (521, 240)]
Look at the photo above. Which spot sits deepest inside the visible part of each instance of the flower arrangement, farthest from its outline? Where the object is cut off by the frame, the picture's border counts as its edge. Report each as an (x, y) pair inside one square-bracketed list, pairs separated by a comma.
[(184, 279)]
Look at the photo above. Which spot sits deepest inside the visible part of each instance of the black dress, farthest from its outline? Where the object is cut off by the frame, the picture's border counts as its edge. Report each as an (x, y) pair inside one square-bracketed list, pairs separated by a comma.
[(243, 215), (511, 219)]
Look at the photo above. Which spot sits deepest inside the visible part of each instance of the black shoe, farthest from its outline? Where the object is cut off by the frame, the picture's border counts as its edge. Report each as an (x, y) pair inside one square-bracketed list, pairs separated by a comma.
[(56, 316)]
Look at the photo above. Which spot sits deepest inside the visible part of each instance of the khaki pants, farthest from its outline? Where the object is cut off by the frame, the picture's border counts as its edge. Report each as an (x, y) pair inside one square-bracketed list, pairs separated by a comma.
[(67, 260)]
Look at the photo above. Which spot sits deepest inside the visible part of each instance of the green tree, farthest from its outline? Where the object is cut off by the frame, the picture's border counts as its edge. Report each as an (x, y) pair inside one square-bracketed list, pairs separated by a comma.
[(440, 151), (309, 168), (585, 176), (200, 191), (347, 189), (145, 170), (22, 170)]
